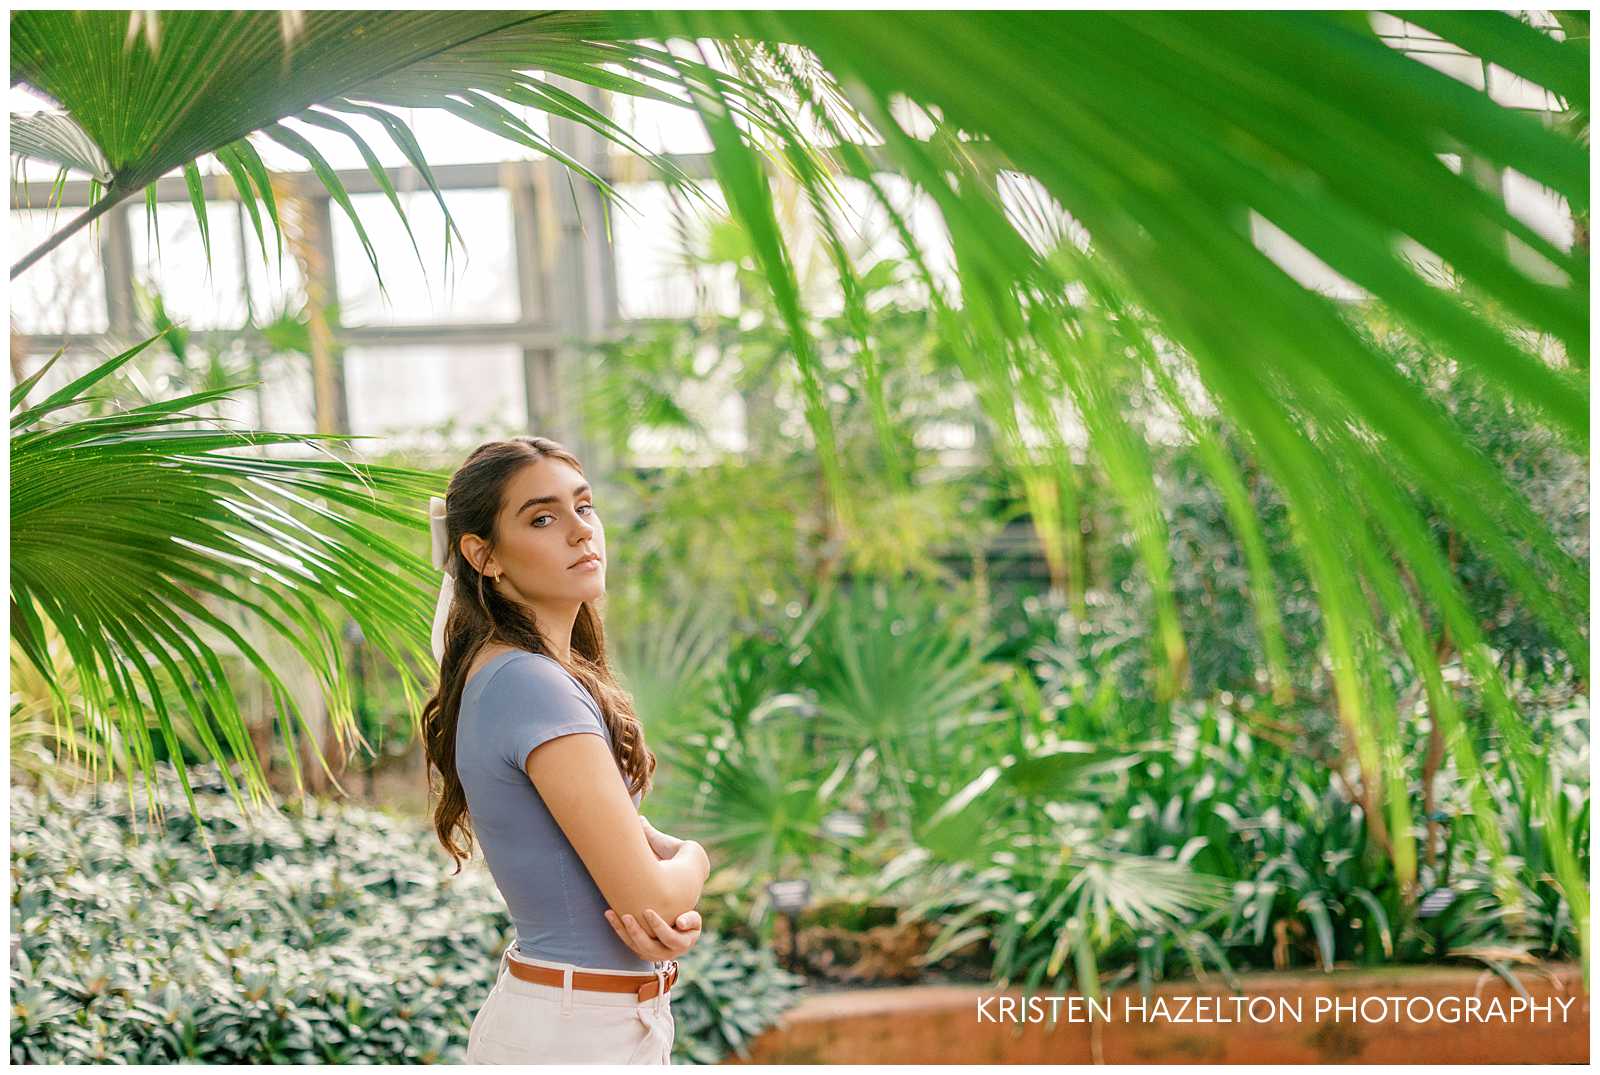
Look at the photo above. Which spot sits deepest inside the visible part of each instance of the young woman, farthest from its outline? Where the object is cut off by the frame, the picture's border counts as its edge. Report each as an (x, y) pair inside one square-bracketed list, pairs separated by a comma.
[(540, 757)]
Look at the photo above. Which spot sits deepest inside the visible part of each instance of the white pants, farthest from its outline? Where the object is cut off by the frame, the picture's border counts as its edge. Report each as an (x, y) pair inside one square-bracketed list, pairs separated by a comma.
[(527, 1023)]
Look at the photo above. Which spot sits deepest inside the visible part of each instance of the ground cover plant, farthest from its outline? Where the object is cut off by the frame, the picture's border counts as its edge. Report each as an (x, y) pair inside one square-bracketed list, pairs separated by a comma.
[(327, 934)]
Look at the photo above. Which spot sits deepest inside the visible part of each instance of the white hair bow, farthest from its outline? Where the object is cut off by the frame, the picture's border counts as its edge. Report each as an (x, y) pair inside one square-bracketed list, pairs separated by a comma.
[(439, 552)]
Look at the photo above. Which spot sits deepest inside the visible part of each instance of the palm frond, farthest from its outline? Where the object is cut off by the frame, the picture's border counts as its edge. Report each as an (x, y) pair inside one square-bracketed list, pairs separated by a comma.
[(209, 82), (134, 530), (1164, 135)]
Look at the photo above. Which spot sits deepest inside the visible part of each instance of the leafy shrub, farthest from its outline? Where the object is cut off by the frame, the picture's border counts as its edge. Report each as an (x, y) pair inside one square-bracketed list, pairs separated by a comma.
[(1301, 881), (326, 934), (728, 993)]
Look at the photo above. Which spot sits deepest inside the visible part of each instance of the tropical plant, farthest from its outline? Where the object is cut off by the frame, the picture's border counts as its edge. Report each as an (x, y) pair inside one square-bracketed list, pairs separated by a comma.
[(1329, 416), (1220, 849), (183, 364), (744, 535), (1094, 835), (193, 84), (896, 677), (740, 776), (759, 505), (1159, 141), (1163, 137), (136, 532)]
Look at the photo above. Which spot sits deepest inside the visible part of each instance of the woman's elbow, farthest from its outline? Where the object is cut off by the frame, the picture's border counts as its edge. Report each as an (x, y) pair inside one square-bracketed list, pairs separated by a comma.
[(676, 889)]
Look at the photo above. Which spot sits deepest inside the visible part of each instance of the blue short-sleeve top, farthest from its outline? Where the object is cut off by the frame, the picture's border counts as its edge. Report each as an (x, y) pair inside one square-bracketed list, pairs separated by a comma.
[(512, 704)]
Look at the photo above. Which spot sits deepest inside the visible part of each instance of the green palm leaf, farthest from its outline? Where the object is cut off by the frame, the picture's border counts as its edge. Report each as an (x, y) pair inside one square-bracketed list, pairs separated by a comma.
[(1163, 135), (141, 535), (136, 108)]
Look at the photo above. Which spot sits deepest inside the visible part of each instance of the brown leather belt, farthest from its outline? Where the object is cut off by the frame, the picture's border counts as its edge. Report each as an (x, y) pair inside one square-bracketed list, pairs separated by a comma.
[(593, 980)]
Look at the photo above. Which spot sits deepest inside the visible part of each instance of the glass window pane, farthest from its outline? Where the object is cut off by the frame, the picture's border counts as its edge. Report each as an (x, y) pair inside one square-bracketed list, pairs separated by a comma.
[(70, 366), (436, 395), (275, 283), (65, 290), (284, 401), (170, 259), (448, 139), (655, 278), (873, 236), (481, 286), (1544, 210), (274, 395), (1311, 271), (445, 139), (662, 127)]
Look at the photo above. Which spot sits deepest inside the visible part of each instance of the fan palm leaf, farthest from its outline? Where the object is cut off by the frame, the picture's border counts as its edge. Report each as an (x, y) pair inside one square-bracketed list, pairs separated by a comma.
[(132, 529), (135, 108), (892, 675)]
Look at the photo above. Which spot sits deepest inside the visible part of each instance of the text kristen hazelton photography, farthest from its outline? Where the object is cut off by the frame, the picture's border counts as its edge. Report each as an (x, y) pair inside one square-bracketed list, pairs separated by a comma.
[(1182, 1008), (799, 536)]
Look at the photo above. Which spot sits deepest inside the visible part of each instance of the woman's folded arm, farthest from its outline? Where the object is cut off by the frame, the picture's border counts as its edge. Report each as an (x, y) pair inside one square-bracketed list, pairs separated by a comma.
[(576, 776)]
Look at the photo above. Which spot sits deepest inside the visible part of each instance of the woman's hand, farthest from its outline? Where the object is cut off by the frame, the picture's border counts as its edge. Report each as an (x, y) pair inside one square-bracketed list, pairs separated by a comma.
[(666, 943), (661, 940)]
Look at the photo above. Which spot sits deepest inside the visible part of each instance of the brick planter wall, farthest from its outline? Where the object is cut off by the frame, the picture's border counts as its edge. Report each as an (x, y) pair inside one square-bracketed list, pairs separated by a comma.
[(940, 1024)]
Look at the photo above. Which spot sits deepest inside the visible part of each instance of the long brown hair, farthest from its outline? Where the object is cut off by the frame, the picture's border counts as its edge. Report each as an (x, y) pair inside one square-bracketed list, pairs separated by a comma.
[(480, 615)]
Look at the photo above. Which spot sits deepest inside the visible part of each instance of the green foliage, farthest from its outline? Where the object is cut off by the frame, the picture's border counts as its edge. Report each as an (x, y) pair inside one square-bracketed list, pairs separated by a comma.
[(1209, 131), (1270, 819), (760, 507), (1094, 835), (895, 672), (128, 83), (1390, 516), (322, 935), (141, 533), (728, 993)]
